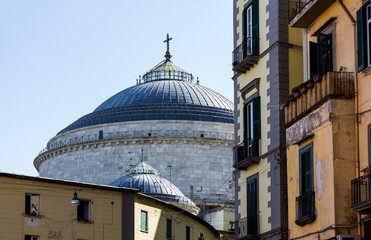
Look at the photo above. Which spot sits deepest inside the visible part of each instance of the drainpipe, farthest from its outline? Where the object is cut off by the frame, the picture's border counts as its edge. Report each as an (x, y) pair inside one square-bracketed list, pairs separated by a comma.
[(357, 120)]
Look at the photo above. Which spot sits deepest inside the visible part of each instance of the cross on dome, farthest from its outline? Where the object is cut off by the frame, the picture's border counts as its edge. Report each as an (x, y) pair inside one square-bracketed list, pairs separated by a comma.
[(167, 41)]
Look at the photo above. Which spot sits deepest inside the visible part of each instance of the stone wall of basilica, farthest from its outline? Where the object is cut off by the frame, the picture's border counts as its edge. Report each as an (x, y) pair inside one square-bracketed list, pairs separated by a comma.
[(195, 156)]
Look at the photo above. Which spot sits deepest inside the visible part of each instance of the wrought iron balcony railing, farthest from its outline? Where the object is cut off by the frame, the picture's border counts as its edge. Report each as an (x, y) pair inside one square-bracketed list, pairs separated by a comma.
[(361, 197), (245, 55), (246, 153), (295, 7), (305, 208), (246, 227)]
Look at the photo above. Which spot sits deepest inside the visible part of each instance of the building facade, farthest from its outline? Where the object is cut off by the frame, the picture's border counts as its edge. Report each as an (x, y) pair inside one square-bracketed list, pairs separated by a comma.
[(267, 62), (36, 208), (328, 126)]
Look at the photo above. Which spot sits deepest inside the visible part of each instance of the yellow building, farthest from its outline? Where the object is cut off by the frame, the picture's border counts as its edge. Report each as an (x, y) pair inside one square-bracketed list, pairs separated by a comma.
[(328, 126), (267, 62), (36, 208)]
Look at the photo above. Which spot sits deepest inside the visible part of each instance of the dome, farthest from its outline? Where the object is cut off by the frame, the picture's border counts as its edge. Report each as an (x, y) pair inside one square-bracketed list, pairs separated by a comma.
[(166, 93), (145, 178)]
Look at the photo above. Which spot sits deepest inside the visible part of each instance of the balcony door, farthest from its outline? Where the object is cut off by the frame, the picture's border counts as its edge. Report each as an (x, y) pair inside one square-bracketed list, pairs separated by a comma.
[(247, 47), (252, 127), (324, 53)]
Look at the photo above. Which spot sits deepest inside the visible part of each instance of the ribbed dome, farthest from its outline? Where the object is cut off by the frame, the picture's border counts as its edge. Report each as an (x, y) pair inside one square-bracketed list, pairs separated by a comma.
[(165, 95), (145, 178)]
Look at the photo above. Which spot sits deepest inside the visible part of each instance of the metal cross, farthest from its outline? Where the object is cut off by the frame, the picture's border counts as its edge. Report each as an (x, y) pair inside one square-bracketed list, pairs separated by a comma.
[(142, 157), (167, 41)]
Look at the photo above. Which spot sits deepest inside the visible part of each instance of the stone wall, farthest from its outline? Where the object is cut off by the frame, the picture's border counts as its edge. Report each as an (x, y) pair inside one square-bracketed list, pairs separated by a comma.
[(201, 166)]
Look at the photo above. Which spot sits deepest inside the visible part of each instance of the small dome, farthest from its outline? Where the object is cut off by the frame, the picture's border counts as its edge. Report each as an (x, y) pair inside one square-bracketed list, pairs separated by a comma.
[(145, 178)]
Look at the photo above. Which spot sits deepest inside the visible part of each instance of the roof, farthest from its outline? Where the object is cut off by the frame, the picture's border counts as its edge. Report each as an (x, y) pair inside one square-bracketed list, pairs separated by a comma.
[(145, 178), (167, 93), (108, 188)]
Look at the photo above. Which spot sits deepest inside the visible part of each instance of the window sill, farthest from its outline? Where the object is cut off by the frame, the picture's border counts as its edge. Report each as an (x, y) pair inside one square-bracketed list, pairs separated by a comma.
[(85, 221), (305, 220), (32, 215), (143, 231), (367, 71)]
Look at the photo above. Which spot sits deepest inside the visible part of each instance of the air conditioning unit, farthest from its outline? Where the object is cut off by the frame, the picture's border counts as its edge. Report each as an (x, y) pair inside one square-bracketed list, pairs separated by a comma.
[(348, 237)]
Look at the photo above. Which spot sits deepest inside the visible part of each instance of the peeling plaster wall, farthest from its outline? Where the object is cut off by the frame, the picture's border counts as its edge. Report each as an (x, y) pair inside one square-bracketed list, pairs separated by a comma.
[(333, 145)]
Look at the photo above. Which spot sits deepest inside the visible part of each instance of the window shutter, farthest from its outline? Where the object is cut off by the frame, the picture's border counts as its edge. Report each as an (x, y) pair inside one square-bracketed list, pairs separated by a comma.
[(308, 172), (256, 117), (244, 22), (361, 39), (245, 122), (255, 27), (252, 207), (313, 59)]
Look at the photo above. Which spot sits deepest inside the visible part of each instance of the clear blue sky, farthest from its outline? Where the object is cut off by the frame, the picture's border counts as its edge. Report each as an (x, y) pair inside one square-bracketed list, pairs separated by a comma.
[(60, 59)]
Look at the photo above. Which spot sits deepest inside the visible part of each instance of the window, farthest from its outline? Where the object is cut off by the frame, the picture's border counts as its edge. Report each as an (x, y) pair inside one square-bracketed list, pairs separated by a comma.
[(250, 31), (251, 125), (32, 204), (83, 211), (320, 54), (144, 221), (168, 228), (188, 233), (252, 207), (305, 202), (30, 237), (363, 36)]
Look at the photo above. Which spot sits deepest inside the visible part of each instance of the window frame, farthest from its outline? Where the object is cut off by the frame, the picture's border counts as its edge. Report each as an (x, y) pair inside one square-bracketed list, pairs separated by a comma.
[(29, 199), (84, 208), (144, 213), (303, 150), (250, 17), (253, 178), (169, 228), (188, 233)]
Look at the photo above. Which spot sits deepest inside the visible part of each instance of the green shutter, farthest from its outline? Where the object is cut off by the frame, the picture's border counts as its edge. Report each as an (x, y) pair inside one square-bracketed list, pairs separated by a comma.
[(361, 39), (245, 122), (255, 27), (143, 221), (306, 171), (252, 207), (256, 117)]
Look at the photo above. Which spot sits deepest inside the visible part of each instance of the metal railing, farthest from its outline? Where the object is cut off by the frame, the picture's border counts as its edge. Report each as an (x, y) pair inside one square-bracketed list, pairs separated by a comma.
[(249, 148), (138, 134), (244, 50), (305, 205), (246, 226), (360, 188), (295, 7)]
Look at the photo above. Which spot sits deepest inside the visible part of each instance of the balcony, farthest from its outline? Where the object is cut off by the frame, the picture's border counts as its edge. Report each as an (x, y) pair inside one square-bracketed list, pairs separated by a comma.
[(243, 57), (247, 228), (333, 85), (303, 12), (361, 197), (305, 209), (246, 154)]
